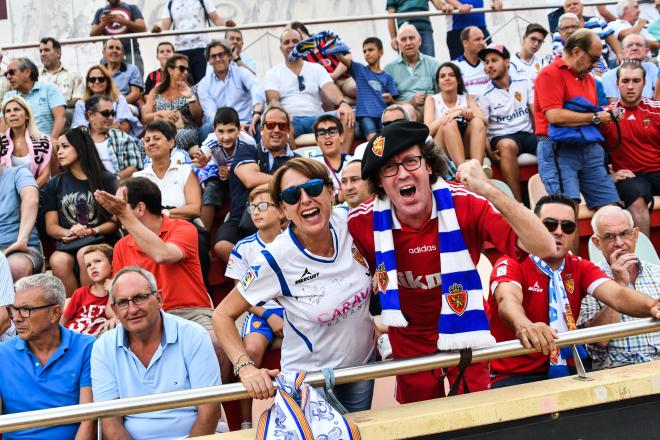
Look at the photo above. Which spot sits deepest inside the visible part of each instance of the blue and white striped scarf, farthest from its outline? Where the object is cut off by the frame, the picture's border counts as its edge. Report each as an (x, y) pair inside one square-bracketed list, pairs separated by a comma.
[(462, 322), (560, 316)]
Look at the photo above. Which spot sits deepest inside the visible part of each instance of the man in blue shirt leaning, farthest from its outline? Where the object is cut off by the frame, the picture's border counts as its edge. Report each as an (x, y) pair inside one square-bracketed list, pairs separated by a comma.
[(152, 352), (49, 363)]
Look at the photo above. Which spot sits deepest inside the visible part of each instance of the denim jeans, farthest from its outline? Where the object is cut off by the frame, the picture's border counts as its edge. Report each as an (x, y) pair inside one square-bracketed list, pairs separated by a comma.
[(427, 47)]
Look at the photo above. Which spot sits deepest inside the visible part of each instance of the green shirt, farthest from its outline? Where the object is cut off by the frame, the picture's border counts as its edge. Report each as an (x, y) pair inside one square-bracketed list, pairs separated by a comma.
[(421, 23), (409, 81)]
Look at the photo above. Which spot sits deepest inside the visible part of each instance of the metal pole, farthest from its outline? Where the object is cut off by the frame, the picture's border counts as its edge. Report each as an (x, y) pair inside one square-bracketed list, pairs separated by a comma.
[(177, 399), (280, 24)]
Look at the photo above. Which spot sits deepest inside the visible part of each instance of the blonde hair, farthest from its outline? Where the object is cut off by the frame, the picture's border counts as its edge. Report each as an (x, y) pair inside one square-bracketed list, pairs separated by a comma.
[(111, 89), (31, 127)]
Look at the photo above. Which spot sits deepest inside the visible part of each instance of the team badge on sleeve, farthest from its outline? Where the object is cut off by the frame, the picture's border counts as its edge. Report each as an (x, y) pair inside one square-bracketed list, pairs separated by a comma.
[(457, 298), (250, 275), (378, 146), (357, 256), (501, 270)]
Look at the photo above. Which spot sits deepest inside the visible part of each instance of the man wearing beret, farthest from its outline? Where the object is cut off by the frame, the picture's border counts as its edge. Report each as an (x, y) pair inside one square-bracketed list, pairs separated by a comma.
[(422, 237)]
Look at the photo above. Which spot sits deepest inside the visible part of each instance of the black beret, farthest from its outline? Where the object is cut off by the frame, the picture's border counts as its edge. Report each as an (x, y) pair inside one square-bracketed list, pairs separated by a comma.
[(392, 139)]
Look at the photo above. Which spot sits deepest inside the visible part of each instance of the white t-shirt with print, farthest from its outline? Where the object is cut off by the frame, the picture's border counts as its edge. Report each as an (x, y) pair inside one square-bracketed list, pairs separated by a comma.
[(298, 102), (327, 320), (475, 77), (244, 253), (186, 15)]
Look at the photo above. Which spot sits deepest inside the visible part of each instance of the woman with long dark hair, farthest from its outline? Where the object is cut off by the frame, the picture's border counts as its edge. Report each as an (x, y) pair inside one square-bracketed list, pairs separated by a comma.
[(173, 100), (72, 216), (454, 118)]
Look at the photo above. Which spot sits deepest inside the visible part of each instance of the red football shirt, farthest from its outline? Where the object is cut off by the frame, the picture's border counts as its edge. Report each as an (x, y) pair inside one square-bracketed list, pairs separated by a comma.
[(556, 84), (639, 150), (418, 270), (581, 277), (181, 282)]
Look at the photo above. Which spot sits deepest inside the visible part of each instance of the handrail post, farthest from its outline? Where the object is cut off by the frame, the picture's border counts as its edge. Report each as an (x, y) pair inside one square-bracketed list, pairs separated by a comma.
[(579, 366), (99, 429)]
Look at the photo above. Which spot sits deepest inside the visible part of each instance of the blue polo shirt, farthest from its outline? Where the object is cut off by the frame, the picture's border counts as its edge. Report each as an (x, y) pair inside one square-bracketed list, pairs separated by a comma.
[(26, 385), (43, 98), (184, 360), (128, 75)]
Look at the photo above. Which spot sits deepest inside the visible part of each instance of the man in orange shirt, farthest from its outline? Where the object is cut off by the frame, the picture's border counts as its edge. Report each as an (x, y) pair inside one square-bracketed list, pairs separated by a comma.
[(165, 247)]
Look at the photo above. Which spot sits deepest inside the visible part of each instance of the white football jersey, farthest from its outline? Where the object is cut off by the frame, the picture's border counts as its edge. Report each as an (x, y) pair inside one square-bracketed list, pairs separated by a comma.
[(524, 69), (327, 320), (508, 110), (475, 77), (244, 253)]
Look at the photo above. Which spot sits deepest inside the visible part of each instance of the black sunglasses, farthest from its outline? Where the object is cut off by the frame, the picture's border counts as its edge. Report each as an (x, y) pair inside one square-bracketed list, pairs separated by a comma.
[(312, 187), (301, 83), (96, 79), (567, 226), (182, 69), (107, 113), (10, 72)]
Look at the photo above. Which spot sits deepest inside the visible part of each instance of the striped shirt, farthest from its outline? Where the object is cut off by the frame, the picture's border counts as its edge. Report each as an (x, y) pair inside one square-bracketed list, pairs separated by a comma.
[(632, 349)]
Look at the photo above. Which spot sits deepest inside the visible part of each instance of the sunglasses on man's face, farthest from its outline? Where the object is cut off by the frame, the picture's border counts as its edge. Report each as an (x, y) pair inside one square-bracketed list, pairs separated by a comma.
[(283, 126), (10, 72), (96, 79), (567, 226), (182, 69), (107, 113), (312, 187)]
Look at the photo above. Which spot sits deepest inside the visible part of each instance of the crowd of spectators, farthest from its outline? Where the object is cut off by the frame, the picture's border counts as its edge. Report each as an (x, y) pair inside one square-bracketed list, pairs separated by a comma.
[(122, 192)]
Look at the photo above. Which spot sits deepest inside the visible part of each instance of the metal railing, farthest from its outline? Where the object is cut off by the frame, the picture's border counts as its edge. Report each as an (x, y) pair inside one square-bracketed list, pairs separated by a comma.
[(222, 393), (280, 24)]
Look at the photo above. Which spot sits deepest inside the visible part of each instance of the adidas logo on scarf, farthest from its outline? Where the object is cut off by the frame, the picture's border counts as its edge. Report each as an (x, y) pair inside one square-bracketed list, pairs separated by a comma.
[(462, 322)]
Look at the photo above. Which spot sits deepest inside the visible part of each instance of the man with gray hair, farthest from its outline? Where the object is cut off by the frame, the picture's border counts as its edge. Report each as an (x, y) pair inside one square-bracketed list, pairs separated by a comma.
[(152, 352), (635, 50), (46, 101), (616, 237), (413, 72), (630, 23), (569, 23), (49, 363)]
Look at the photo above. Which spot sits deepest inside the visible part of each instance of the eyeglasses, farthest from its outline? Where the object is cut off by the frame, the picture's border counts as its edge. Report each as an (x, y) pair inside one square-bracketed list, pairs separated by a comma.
[(261, 207), (536, 40), (219, 55), (330, 132), (567, 28), (567, 226), (10, 72), (107, 113), (312, 187), (594, 58), (138, 300), (96, 79), (611, 236), (182, 69), (409, 163), (25, 311), (301, 83), (283, 126)]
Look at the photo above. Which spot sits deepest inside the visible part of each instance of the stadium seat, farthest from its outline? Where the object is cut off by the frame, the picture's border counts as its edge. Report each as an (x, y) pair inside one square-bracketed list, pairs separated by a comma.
[(644, 251), (502, 187), (308, 151)]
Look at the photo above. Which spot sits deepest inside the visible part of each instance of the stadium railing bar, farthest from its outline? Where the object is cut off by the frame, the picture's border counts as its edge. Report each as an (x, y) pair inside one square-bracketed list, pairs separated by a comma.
[(222, 393)]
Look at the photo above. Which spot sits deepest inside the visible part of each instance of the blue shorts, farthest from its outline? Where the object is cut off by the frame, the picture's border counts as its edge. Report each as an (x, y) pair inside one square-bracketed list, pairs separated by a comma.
[(582, 170), (305, 124), (255, 324), (369, 124)]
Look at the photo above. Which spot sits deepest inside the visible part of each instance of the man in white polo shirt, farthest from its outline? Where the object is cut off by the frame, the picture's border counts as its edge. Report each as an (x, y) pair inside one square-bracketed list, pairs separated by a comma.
[(508, 104)]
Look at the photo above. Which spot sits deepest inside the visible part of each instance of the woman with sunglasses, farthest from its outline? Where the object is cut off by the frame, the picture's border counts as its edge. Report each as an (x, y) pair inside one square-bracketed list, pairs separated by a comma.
[(99, 82), (73, 217), (316, 274), (173, 99), (453, 117), (22, 145)]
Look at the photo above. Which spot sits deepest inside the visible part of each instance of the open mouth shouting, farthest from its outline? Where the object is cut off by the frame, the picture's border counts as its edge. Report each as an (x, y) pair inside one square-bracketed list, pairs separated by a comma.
[(408, 191)]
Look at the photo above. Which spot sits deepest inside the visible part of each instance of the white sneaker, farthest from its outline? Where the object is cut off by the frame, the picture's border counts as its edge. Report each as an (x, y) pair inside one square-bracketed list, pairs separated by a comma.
[(488, 169), (246, 425), (384, 347), (221, 427)]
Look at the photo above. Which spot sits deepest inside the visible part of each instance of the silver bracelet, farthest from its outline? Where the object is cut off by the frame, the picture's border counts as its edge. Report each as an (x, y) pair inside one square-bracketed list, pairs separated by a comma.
[(238, 367)]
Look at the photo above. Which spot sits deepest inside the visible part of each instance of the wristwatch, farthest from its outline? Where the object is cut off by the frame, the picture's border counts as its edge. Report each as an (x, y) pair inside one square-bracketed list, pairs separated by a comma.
[(595, 119), (192, 99), (344, 101)]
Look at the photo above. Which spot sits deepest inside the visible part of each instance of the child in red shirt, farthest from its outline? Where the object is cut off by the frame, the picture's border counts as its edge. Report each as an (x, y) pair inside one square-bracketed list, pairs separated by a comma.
[(88, 310)]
